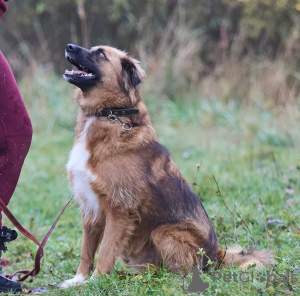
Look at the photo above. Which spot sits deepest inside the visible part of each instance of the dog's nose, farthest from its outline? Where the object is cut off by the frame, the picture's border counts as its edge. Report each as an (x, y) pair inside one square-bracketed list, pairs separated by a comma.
[(71, 47)]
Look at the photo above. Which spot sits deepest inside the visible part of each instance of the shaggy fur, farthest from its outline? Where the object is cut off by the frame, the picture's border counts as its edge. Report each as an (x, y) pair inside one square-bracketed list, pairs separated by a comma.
[(145, 212)]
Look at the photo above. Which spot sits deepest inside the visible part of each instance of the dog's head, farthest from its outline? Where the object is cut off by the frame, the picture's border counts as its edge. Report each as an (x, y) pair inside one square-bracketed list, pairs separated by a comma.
[(104, 70)]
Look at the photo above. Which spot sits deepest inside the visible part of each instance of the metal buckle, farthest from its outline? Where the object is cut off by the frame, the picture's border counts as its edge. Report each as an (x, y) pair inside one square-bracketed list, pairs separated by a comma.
[(114, 119)]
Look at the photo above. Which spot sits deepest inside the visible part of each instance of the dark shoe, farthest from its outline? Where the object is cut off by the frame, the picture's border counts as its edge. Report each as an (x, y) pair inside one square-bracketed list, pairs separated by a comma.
[(7, 285)]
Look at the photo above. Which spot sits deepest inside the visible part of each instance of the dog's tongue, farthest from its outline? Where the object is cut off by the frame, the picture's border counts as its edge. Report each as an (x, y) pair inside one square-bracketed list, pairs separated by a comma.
[(75, 72)]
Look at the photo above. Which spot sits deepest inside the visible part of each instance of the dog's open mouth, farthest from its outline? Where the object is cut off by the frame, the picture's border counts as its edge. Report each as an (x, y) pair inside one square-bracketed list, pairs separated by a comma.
[(86, 73), (82, 72)]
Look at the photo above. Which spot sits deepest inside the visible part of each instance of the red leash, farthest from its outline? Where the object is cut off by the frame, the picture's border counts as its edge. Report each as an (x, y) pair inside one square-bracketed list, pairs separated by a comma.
[(39, 253)]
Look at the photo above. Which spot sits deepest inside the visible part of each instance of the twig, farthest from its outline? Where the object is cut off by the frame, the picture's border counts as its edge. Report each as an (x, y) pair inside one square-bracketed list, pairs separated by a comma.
[(275, 165), (224, 254), (196, 185), (195, 177), (231, 213), (220, 195), (242, 220), (263, 208)]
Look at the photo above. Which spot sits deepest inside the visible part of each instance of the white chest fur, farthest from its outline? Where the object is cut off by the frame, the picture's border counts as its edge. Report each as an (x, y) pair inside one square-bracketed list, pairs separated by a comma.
[(82, 176)]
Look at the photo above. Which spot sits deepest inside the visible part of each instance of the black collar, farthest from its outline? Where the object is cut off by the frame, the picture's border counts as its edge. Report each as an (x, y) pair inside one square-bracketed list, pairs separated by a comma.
[(117, 112)]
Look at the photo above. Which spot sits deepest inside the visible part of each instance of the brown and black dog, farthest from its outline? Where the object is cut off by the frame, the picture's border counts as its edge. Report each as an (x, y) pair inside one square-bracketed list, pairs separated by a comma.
[(134, 202)]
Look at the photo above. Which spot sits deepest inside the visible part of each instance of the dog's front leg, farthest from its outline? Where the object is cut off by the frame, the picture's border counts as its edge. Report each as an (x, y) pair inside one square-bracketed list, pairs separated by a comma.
[(92, 233), (118, 229)]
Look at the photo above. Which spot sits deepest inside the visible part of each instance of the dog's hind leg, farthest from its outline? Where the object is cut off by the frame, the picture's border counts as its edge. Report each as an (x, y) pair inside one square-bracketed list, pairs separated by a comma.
[(178, 244), (138, 261)]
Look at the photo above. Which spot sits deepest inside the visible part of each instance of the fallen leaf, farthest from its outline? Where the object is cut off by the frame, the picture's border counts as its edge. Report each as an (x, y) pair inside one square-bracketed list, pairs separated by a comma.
[(39, 291), (275, 221), (297, 270), (5, 262)]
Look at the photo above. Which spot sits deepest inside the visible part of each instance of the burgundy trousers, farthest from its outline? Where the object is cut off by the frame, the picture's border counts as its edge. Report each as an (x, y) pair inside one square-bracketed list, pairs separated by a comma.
[(15, 132)]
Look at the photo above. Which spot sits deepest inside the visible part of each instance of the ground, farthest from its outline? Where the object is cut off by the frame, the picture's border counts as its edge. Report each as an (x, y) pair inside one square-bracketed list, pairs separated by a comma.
[(247, 150)]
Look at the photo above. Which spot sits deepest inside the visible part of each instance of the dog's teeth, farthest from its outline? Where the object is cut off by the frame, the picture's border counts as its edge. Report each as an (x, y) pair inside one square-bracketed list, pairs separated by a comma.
[(72, 72)]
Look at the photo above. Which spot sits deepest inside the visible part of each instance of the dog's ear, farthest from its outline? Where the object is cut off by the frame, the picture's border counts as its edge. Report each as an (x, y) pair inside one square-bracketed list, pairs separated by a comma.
[(133, 75)]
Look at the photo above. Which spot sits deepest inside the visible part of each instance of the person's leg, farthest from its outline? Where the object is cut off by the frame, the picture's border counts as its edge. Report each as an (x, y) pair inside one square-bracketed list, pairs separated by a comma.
[(15, 139), (15, 132)]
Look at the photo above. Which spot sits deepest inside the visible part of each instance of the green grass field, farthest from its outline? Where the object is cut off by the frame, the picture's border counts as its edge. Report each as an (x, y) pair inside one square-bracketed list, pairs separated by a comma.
[(252, 152)]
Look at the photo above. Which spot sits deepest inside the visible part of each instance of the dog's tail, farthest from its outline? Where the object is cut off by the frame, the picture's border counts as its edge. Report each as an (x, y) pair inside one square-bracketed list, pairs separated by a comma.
[(243, 258)]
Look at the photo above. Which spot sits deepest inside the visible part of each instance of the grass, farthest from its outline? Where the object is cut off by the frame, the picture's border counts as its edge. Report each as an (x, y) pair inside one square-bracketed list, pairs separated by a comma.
[(252, 153)]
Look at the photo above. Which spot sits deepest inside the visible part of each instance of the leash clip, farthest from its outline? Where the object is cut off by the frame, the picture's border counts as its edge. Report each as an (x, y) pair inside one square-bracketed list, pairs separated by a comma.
[(114, 119), (129, 128)]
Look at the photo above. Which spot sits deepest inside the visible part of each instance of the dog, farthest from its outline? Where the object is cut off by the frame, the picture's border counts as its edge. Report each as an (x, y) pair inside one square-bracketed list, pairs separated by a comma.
[(134, 202)]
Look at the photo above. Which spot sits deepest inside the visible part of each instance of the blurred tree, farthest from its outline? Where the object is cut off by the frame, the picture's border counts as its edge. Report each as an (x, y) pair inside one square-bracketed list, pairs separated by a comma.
[(38, 30)]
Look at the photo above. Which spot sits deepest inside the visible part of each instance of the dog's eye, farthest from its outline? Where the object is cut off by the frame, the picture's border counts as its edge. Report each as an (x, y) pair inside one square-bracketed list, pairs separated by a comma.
[(101, 53)]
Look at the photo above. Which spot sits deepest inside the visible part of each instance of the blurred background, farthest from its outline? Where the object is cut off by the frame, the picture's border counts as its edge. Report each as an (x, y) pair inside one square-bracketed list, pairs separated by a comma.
[(215, 56), (246, 50), (223, 92)]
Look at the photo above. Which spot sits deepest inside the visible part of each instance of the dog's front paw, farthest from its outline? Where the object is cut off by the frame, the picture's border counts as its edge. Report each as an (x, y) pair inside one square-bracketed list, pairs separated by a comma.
[(95, 274), (77, 280)]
